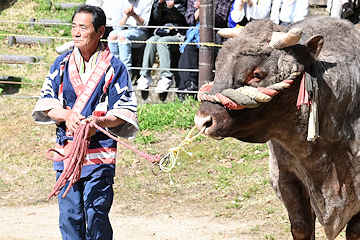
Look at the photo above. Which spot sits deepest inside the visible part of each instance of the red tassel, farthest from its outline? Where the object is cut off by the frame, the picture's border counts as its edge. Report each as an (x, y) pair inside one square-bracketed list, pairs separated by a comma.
[(303, 97)]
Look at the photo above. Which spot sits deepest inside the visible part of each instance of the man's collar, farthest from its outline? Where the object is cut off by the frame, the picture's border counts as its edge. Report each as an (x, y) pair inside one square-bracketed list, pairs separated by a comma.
[(79, 60)]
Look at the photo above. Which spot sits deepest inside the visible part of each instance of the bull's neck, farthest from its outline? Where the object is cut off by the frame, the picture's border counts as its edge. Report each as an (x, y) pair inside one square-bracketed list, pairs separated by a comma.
[(296, 144)]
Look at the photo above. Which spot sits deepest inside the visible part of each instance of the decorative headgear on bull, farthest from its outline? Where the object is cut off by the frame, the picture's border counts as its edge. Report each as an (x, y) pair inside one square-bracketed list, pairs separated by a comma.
[(250, 97), (247, 96)]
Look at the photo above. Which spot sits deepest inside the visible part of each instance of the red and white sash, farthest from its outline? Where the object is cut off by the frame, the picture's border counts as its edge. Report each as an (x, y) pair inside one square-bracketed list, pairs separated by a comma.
[(83, 92)]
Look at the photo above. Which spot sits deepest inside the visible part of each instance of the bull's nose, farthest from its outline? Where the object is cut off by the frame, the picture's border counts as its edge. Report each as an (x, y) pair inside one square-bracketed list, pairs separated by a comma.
[(200, 122)]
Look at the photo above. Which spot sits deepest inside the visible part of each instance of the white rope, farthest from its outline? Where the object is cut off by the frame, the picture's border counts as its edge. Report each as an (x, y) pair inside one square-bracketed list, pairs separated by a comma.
[(168, 162), (37, 23), (43, 22), (51, 22), (28, 36), (209, 44)]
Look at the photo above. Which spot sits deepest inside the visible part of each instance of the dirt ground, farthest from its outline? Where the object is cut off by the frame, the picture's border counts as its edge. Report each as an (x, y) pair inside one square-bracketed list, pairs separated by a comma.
[(41, 222)]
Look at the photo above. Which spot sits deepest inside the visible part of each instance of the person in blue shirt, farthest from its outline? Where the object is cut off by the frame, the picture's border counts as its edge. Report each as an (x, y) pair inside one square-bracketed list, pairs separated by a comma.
[(89, 83), (189, 58), (244, 11)]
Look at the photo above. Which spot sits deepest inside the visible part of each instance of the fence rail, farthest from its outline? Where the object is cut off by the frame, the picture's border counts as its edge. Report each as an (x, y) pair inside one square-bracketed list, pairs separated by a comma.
[(55, 22)]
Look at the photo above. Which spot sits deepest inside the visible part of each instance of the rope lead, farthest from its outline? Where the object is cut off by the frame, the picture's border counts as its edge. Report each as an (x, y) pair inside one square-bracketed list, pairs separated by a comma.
[(168, 162)]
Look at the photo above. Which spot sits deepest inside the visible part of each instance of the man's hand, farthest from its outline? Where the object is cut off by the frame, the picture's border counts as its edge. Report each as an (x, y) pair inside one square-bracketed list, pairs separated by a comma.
[(170, 4), (108, 121), (93, 129), (197, 7), (250, 2), (240, 5), (73, 120), (197, 4), (130, 11)]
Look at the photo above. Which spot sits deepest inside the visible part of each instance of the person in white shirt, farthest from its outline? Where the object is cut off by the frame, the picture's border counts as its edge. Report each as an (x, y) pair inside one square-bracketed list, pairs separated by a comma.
[(339, 8), (108, 7), (243, 11), (284, 12), (128, 14)]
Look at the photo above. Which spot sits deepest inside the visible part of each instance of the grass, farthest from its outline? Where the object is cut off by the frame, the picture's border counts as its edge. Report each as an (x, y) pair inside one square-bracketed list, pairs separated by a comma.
[(163, 117), (22, 11), (212, 180)]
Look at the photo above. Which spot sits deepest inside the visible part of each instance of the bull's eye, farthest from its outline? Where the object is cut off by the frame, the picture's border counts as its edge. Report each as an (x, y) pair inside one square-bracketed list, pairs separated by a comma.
[(256, 76)]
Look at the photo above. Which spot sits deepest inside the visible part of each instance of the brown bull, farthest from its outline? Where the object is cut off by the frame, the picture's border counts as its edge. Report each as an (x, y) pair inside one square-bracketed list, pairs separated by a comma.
[(315, 174)]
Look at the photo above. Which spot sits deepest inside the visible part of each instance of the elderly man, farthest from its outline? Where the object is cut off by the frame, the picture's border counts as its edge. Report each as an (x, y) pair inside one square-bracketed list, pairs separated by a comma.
[(88, 82)]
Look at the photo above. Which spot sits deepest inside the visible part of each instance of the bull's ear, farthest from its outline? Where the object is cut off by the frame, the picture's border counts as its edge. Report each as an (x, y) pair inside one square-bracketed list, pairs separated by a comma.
[(314, 45), (307, 52)]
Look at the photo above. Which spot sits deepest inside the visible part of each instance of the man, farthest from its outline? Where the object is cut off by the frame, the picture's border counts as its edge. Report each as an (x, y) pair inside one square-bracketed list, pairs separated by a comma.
[(132, 13), (88, 82), (170, 14), (284, 12), (189, 58), (242, 12)]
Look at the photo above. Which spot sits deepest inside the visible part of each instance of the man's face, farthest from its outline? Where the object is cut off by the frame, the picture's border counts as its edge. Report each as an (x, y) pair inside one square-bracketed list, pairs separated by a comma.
[(83, 32)]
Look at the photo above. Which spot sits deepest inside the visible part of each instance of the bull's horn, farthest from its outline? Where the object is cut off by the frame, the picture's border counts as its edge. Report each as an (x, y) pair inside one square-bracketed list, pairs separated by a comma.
[(230, 32), (280, 40)]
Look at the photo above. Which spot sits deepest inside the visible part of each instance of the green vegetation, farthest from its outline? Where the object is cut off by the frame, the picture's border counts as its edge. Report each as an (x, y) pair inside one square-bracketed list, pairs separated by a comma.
[(163, 117)]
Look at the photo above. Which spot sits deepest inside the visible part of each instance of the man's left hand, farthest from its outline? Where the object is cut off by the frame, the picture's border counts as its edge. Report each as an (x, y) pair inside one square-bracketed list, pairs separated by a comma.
[(170, 4), (130, 11), (93, 129)]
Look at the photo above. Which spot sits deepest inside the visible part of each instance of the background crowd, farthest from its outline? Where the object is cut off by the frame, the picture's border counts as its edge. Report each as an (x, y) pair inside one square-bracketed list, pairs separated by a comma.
[(128, 21)]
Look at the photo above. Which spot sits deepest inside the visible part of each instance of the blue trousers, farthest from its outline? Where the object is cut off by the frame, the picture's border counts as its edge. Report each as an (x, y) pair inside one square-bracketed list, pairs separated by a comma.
[(123, 51), (84, 212)]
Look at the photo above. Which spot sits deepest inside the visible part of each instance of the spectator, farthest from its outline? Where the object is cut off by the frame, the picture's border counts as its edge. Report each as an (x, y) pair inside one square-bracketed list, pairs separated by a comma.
[(347, 10), (244, 11), (88, 83), (131, 13), (169, 13), (284, 12), (189, 58), (339, 8), (108, 7)]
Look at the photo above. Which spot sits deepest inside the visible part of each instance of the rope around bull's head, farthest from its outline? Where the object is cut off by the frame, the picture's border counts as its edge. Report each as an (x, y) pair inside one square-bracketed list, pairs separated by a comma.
[(246, 96), (251, 97)]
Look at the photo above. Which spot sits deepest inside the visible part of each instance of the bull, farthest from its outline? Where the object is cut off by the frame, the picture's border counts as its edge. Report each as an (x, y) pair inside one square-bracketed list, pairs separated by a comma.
[(313, 148)]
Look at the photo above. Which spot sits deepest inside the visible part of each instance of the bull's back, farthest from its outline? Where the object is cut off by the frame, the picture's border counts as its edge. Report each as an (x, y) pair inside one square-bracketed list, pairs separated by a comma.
[(337, 69), (341, 37)]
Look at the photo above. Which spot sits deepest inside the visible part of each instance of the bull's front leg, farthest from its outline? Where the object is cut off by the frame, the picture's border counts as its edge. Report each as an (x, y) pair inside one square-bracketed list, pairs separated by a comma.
[(301, 215), (293, 194), (353, 228)]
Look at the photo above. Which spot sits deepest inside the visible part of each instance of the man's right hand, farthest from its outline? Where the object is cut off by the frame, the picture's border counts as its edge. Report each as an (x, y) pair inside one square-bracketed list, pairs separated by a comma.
[(170, 4), (197, 4), (73, 120), (130, 11)]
